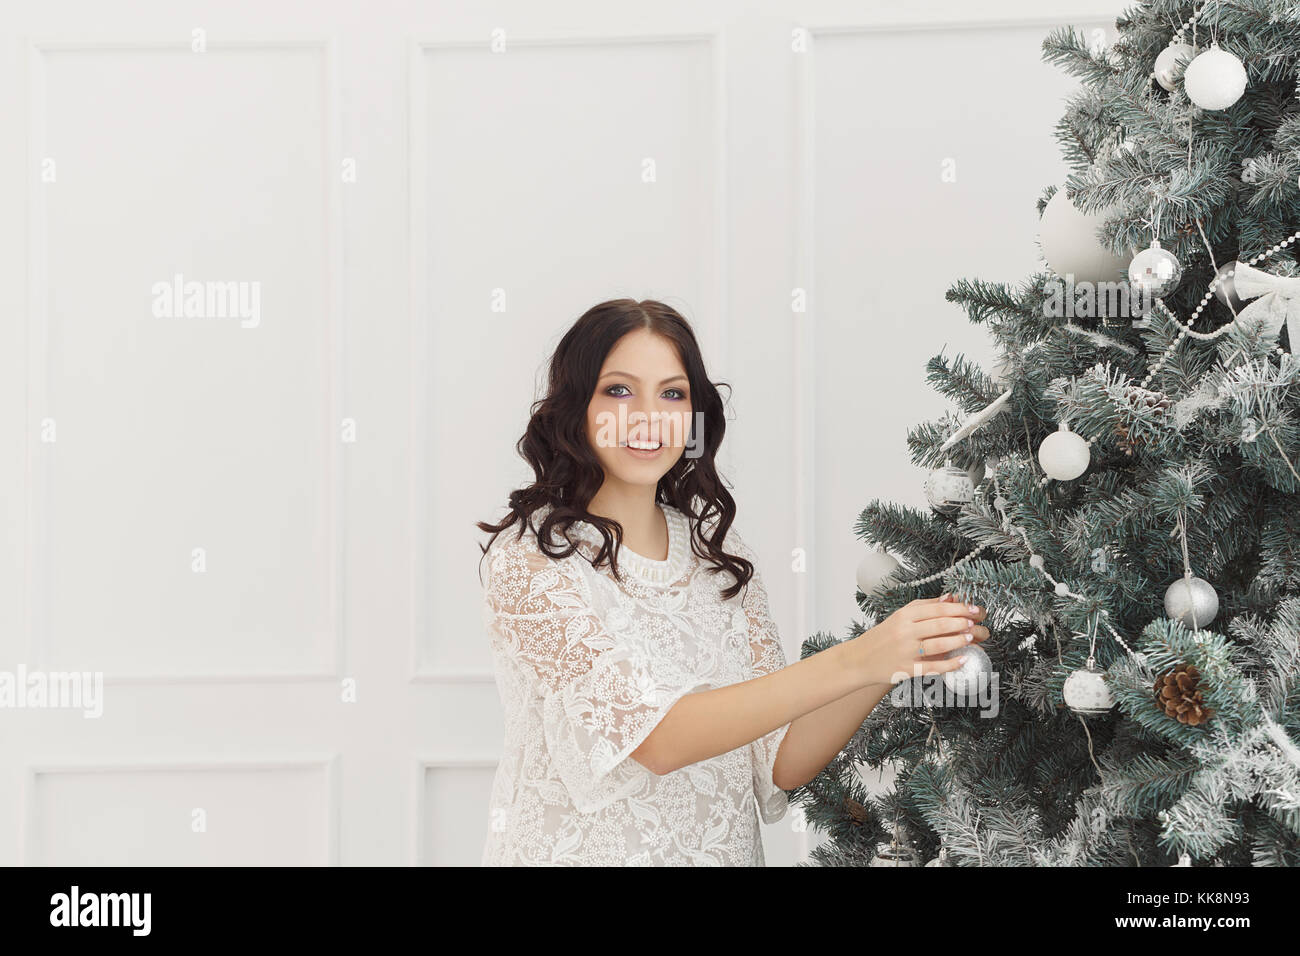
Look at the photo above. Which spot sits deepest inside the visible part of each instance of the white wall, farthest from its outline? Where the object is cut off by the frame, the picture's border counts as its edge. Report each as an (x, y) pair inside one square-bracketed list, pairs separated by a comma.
[(331, 561)]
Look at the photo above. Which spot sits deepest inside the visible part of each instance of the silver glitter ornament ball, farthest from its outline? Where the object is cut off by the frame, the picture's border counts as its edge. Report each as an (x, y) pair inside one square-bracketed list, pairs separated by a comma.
[(1155, 272), (1086, 692), (1226, 288), (948, 488), (1192, 602), (973, 674)]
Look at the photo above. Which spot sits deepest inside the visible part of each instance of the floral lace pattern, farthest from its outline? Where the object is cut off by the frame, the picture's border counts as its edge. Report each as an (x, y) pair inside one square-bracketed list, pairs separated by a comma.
[(586, 667)]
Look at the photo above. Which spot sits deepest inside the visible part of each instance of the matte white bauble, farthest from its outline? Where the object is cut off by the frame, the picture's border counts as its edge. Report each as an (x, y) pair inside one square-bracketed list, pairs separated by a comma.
[(1169, 61), (1064, 455), (1215, 79), (1070, 245), (877, 571), (1085, 691)]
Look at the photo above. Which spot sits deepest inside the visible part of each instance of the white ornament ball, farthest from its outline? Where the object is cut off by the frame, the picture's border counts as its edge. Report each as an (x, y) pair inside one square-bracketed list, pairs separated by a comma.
[(1070, 245), (1155, 272), (948, 488), (1191, 601), (891, 854), (876, 572), (1215, 79), (1226, 289), (1063, 454), (974, 673), (940, 860), (1170, 59), (1086, 693)]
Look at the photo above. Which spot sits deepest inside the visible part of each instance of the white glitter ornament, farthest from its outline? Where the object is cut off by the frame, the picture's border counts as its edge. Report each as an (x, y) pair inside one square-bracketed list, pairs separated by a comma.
[(1064, 455), (948, 488), (1070, 245), (1154, 271), (894, 854), (1215, 79), (941, 859), (877, 572), (973, 674), (1191, 601), (1085, 691), (1225, 290), (1171, 59)]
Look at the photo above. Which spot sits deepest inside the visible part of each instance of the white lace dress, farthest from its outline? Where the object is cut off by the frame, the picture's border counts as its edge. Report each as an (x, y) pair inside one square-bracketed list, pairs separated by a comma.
[(586, 668)]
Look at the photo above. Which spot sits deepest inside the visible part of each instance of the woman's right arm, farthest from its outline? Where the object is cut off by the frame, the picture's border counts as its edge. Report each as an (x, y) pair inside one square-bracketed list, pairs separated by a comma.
[(712, 722)]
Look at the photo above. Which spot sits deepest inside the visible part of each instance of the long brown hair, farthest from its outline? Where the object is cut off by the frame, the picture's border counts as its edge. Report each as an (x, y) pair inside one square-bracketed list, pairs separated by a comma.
[(567, 473)]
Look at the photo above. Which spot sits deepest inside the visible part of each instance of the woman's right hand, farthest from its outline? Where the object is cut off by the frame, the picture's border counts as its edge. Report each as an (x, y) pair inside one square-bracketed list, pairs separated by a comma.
[(913, 640)]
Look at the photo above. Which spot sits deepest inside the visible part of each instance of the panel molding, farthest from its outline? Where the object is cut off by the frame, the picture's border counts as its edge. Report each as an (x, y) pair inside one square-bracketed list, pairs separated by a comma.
[(420, 829), (329, 762), (37, 470), (422, 334)]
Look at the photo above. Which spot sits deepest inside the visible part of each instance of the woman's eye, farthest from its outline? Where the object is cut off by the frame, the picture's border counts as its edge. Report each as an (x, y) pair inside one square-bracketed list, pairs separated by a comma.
[(622, 391)]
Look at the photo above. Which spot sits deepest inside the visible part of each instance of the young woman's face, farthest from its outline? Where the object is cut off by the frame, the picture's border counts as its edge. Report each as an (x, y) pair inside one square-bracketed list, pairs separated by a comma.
[(639, 417)]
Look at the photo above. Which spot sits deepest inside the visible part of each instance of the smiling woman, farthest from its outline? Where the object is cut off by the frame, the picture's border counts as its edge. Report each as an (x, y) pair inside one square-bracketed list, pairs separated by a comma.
[(650, 714)]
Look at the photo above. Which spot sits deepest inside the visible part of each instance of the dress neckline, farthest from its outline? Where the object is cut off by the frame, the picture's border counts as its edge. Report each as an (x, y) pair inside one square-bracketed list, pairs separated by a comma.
[(648, 569)]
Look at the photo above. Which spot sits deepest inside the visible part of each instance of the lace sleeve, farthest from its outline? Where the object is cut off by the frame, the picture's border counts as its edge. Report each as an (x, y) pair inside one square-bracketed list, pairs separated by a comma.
[(602, 692), (766, 656)]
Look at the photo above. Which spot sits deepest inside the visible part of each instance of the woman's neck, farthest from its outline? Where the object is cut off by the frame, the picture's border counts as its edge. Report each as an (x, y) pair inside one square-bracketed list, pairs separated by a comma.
[(645, 526)]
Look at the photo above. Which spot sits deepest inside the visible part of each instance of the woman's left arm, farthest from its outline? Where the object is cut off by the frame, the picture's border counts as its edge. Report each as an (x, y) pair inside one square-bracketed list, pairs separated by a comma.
[(814, 739)]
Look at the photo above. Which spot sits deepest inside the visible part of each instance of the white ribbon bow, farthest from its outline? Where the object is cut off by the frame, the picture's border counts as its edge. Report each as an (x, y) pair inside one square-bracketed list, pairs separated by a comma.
[(1277, 300)]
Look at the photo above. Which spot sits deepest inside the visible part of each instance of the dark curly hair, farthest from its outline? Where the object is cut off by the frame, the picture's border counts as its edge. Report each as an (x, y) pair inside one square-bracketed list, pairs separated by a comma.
[(568, 473)]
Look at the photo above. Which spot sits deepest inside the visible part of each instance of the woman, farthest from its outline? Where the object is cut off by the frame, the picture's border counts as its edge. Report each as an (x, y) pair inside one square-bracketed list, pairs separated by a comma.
[(650, 714)]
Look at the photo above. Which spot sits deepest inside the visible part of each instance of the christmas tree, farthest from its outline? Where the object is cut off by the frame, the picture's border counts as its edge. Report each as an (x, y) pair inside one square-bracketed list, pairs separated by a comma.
[(1120, 491)]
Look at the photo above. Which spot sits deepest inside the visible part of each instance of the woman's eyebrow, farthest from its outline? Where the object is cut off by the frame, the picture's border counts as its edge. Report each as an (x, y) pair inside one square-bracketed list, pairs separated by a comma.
[(628, 375)]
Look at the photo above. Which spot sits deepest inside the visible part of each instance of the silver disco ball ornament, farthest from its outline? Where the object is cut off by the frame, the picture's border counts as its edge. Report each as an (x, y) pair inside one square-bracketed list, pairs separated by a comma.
[(973, 674), (1225, 289), (948, 488), (1085, 691), (1191, 601), (1170, 60), (1155, 272)]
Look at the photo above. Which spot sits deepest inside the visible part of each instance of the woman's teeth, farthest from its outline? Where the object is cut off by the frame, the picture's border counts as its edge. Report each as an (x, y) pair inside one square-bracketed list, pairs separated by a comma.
[(644, 445)]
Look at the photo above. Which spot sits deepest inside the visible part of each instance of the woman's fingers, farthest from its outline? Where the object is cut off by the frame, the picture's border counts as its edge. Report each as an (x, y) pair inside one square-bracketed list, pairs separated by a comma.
[(939, 608), (943, 665), (939, 626), (938, 646)]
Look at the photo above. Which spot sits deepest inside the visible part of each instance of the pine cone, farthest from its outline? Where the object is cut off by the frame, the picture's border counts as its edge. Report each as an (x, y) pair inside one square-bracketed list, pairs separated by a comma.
[(856, 810), (1126, 443), (1178, 692)]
